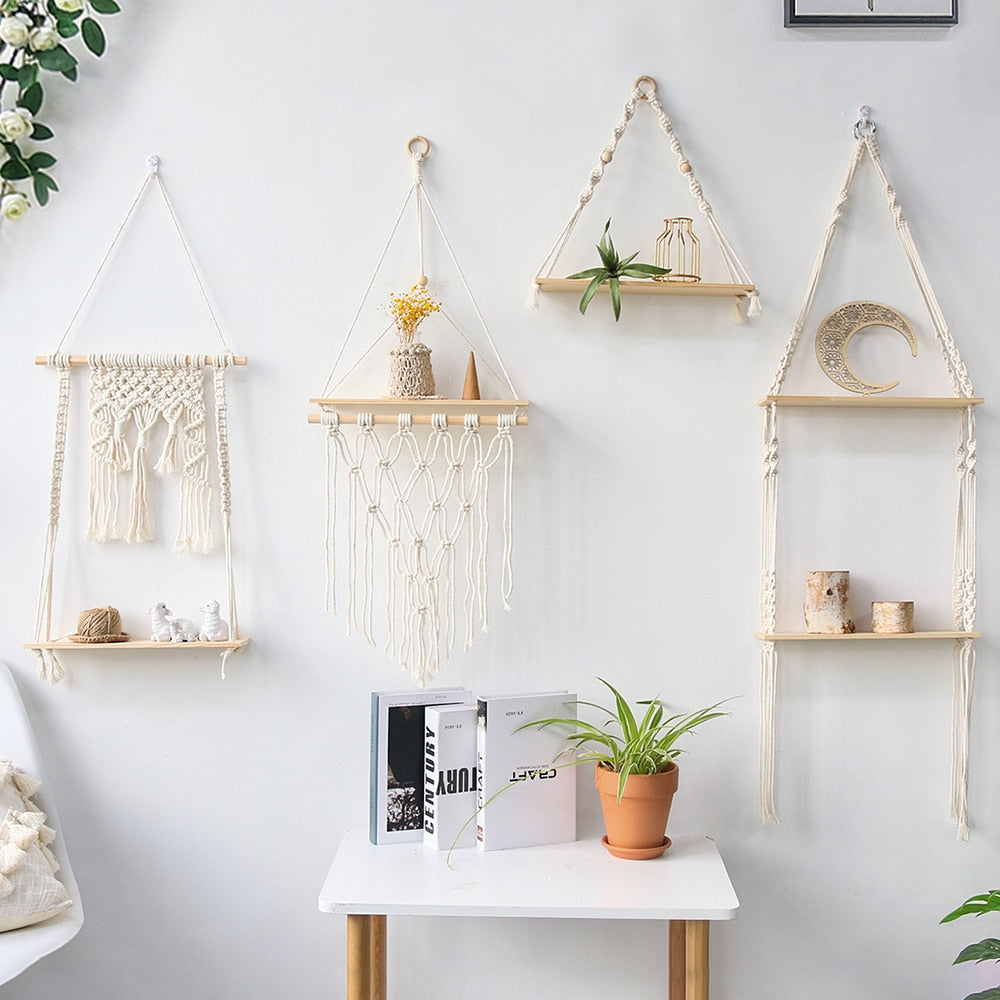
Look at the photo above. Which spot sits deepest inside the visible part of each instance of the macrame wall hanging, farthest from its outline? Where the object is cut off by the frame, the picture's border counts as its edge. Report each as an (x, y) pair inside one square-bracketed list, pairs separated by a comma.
[(132, 396), (419, 484), (740, 284), (831, 345)]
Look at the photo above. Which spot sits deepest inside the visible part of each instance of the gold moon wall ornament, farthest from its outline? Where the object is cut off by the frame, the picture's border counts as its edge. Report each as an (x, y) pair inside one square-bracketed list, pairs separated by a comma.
[(836, 332)]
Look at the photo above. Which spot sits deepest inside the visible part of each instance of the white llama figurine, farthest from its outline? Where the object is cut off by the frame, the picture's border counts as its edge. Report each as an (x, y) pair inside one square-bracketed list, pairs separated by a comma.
[(160, 614), (213, 628)]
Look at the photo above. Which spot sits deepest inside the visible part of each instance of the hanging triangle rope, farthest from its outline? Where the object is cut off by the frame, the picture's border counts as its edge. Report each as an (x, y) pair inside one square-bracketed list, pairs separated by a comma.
[(964, 571), (129, 395), (424, 479), (644, 92)]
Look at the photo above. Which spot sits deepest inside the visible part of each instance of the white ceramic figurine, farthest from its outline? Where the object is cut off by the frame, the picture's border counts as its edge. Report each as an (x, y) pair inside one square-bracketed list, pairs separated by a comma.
[(183, 630), (213, 628), (160, 614)]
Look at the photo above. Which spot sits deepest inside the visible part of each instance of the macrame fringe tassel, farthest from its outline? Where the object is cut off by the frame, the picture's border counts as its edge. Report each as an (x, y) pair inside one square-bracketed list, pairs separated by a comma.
[(194, 531), (103, 525), (964, 672), (768, 685)]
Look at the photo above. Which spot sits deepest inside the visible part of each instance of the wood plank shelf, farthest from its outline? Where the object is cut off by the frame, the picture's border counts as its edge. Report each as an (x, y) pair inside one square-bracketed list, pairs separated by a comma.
[(877, 402), (61, 644), (386, 410), (854, 636), (641, 287)]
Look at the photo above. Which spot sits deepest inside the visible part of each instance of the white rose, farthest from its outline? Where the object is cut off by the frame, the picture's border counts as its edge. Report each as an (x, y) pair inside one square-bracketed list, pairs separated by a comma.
[(43, 38), (13, 205), (70, 6), (15, 124), (15, 31)]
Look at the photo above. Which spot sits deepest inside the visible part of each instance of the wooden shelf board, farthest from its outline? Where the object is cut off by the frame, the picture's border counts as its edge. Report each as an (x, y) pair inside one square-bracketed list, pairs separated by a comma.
[(234, 644), (385, 409), (641, 287), (877, 402), (838, 637)]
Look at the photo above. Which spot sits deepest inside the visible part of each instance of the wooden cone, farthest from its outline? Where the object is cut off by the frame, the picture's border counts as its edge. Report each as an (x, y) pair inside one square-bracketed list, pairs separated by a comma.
[(471, 389)]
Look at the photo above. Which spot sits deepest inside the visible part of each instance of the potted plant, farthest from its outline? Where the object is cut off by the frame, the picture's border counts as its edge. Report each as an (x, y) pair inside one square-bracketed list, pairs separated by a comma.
[(987, 950), (635, 768), (410, 373), (612, 270)]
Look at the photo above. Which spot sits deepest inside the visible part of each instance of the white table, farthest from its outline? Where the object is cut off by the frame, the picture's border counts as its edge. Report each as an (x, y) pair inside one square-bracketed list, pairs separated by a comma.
[(688, 886)]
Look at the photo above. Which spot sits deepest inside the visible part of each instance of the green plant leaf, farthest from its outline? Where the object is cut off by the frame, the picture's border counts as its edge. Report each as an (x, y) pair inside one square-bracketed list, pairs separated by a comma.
[(14, 170), (590, 272), (591, 290), (984, 902), (70, 73), (645, 270), (990, 994), (93, 36), (41, 132), (39, 161), (57, 60), (987, 950), (8, 72), (27, 74), (43, 184), (105, 6), (66, 27), (31, 98)]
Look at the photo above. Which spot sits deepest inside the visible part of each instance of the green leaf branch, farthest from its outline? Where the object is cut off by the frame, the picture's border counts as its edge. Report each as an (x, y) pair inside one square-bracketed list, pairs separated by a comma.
[(987, 950), (33, 37), (612, 270)]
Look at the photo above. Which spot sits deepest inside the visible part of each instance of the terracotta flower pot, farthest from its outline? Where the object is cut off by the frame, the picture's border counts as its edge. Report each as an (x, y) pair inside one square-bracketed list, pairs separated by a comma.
[(635, 826)]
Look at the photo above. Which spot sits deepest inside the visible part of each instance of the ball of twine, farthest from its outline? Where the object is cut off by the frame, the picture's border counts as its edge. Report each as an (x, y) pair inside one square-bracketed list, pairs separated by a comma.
[(99, 625)]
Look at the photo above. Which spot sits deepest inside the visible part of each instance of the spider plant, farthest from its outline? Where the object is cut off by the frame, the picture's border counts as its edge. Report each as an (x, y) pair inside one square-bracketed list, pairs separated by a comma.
[(612, 270), (629, 742), (987, 950)]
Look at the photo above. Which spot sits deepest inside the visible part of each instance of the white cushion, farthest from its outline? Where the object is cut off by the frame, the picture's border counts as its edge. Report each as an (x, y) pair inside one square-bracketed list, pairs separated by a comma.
[(29, 890)]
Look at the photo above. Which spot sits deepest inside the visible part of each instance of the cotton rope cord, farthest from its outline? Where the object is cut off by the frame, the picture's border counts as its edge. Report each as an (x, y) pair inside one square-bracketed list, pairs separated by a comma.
[(49, 667), (964, 574), (737, 271), (429, 504), (140, 390)]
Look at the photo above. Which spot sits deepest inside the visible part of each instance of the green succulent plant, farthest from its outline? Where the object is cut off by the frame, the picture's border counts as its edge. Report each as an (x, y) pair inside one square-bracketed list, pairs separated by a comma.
[(612, 270), (987, 950)]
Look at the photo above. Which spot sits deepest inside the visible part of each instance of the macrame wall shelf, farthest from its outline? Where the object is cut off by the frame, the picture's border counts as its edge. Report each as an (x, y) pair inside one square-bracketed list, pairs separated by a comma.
[(420, 472), (131, 396), (740, 286), (962, 404)]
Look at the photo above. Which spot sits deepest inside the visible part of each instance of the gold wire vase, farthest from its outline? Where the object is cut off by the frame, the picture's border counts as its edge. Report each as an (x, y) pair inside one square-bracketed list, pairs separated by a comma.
[(679, 250)]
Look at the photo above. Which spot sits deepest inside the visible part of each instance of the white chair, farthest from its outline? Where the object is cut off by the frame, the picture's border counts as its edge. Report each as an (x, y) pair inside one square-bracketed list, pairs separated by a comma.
[(21, 948)]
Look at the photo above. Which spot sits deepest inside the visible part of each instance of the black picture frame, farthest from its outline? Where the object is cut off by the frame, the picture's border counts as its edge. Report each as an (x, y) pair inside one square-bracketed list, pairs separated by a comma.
[(794, 17)]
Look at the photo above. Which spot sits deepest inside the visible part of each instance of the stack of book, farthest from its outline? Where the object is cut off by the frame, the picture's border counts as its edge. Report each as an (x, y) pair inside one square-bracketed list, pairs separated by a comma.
[(455, 770)]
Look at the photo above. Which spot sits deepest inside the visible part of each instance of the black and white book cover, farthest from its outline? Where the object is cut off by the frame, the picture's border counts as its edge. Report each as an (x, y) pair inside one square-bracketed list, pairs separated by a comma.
[(524, 797), (396, 773), (450, 776)]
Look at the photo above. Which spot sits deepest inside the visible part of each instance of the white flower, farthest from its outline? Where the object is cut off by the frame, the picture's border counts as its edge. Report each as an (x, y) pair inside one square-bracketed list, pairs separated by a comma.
[(43, 38), (15, 124), (70, 6), (13, 205), (15, 30)]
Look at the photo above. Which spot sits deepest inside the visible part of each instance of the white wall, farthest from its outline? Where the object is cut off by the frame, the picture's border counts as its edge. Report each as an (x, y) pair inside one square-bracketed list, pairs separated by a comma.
[(202, 815)]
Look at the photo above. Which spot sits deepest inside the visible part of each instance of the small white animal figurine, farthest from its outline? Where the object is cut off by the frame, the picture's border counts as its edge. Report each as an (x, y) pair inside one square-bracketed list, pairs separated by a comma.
[(161, 622), (213, 627), (183, 630)]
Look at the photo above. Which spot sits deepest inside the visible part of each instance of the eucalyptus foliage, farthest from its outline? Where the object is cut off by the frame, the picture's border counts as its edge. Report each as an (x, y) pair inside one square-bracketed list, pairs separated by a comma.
[(629, 742), (987, 950), (612, 270), (35, 40)]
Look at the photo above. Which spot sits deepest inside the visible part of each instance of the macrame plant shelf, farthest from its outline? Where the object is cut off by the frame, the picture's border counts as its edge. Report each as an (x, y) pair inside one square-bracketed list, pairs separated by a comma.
[(414, 477), (130, 396), (963, 405), (740, 286)]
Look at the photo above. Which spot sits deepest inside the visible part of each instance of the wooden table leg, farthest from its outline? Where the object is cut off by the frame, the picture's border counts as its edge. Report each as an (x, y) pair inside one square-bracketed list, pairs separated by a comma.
[(366, 976), (678, 957), (696, 960)]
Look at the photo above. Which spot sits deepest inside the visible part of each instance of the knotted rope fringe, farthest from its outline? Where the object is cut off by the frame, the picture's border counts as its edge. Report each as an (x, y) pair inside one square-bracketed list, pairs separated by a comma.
[(429, 506), (964, 574), (737, 271)]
